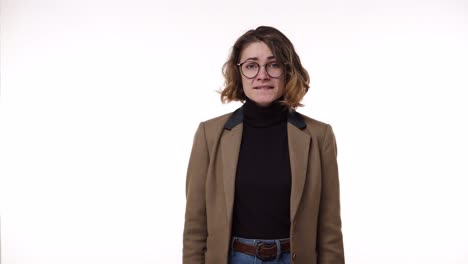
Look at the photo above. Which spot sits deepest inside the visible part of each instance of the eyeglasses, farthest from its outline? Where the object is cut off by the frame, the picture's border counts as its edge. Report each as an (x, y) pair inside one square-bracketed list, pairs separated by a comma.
[(250, 69)]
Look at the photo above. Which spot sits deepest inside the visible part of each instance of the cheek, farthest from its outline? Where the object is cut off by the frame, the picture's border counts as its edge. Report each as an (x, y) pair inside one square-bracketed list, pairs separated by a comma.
[(247, 83), (281, 84)]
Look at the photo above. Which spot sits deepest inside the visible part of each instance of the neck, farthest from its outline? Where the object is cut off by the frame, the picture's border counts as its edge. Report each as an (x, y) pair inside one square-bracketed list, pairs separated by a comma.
[(264, 116)]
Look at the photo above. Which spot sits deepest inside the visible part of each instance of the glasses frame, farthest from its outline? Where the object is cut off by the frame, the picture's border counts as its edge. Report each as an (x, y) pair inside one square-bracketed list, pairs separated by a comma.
[(260, 67)]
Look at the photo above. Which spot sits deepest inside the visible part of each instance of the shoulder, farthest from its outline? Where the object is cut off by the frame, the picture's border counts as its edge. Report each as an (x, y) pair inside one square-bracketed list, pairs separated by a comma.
[(217, 122), (314, 127), (212, 128)]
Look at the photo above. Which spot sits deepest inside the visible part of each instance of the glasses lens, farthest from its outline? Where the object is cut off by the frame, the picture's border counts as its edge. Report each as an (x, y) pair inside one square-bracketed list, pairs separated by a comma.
[(274, 69), (250, 69)]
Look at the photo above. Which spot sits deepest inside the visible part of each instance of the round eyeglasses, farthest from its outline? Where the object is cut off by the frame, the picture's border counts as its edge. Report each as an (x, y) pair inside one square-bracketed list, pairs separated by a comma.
[(250, 69)]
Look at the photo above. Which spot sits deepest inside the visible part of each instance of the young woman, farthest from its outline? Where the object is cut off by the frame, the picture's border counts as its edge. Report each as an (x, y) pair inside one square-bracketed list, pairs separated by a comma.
[(262, 182)]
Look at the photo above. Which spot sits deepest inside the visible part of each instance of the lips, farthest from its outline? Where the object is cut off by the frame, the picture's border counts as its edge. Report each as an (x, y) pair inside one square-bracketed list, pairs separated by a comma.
[(265, 87)]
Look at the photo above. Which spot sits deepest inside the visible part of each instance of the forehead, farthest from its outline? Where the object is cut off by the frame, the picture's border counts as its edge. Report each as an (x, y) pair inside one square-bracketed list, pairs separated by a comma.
[(256, 50)]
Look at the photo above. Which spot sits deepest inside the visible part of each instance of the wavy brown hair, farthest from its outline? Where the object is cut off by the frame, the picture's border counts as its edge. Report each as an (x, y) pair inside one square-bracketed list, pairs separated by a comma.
[(296, 77)]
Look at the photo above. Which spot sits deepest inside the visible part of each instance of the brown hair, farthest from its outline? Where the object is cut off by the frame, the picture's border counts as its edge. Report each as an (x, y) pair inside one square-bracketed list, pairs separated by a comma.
[(296, 77)]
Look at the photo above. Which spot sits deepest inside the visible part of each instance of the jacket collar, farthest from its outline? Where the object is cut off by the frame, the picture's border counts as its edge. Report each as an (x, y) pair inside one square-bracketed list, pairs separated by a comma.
[(238, 116)]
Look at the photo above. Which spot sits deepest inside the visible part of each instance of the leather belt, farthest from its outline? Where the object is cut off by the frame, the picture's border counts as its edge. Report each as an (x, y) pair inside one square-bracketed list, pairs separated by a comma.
[(262, 251)]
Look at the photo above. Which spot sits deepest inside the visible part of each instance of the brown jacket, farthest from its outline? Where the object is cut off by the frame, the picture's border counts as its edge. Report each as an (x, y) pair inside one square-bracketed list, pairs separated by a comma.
[(315, 233)]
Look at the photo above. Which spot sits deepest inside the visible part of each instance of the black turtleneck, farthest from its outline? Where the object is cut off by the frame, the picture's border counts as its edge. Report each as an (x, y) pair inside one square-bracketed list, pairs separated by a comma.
[(263, 177)]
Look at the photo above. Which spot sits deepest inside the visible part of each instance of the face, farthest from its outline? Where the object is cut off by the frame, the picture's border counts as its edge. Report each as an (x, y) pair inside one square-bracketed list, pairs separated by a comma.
[(261, 89)]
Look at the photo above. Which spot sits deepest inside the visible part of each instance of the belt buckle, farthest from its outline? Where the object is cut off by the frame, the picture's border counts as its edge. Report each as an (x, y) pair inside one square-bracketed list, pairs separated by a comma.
[(259, 245)]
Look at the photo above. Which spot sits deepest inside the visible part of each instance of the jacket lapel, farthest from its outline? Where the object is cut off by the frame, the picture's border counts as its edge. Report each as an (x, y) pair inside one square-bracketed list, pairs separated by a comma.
[(230, 147), (299, 144)]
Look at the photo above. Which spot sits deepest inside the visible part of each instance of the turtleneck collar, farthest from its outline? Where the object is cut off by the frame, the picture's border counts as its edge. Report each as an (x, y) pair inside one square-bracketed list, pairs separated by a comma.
[(259, 116)]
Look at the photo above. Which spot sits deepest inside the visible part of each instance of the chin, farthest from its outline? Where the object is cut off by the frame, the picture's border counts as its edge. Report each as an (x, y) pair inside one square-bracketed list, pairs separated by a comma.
[(263, 101)]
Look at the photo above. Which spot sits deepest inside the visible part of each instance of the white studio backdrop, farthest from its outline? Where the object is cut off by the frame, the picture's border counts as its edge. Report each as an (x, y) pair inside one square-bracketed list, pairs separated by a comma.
[(99, 102)]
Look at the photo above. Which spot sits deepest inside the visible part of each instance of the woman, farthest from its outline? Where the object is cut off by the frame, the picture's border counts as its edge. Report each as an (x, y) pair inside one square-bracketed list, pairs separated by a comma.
[(262, 182)]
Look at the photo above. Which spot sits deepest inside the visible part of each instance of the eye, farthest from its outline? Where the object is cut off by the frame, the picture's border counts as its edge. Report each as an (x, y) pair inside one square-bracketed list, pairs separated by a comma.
[(274, 65), (251, 65)]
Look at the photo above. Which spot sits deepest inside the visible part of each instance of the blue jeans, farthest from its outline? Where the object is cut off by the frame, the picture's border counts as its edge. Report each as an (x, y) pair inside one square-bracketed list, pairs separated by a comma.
[(236, 257)]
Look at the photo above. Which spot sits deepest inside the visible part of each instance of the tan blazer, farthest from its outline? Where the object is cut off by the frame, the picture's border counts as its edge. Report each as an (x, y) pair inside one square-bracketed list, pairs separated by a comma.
[(315, 232)]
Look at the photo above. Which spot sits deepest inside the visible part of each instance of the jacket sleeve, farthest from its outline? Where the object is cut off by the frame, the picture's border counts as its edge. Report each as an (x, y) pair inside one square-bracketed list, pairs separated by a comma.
[(330, 239), (195, 230)]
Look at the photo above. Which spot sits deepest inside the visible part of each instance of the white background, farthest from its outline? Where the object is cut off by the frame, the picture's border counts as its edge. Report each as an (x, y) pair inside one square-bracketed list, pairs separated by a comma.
[(100, 101)]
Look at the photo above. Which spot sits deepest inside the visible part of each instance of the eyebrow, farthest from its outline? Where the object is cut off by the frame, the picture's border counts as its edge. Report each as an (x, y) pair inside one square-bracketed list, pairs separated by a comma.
[(256, 59)]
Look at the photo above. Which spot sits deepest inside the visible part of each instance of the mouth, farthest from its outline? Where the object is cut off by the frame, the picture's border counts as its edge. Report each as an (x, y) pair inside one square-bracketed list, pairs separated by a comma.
[(265, 87)]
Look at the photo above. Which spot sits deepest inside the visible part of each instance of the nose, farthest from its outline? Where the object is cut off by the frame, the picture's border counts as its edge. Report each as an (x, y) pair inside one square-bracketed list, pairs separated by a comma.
[(263, 74)]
